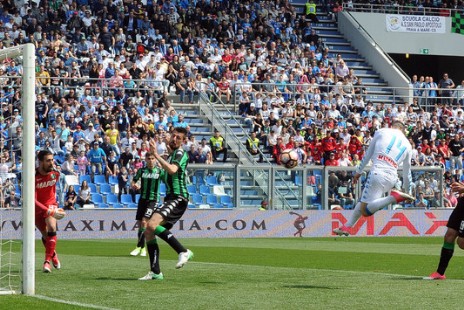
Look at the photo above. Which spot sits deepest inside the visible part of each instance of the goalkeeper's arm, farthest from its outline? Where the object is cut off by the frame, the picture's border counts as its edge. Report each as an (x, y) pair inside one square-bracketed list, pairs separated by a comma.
[(51, 210)]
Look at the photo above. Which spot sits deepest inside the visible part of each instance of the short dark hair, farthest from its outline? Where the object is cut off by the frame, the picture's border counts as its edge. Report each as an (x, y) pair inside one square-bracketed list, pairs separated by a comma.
[(181, 130), (42, 154)]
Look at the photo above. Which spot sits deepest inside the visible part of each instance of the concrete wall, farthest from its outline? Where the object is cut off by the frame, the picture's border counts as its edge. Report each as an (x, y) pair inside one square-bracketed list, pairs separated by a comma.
[(447, 44)]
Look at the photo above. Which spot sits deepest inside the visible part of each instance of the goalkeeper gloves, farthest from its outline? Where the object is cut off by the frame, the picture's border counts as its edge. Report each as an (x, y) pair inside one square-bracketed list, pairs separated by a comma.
[(56, 212)]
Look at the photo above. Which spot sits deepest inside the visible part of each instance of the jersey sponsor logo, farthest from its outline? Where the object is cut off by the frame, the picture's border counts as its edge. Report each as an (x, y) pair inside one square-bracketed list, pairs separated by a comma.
[(388, 160), (46, 184), (149, 175)]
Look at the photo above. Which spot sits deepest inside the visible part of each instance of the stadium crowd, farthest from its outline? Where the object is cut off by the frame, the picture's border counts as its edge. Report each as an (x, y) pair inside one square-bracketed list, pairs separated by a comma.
[(105, 70)]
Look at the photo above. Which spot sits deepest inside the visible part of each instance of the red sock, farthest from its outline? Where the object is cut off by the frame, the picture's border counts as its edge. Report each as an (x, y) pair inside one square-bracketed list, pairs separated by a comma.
[(50, 246)]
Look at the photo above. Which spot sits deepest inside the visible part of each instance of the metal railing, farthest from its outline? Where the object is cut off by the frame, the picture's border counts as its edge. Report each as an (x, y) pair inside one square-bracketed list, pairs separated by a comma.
[(399, 9)]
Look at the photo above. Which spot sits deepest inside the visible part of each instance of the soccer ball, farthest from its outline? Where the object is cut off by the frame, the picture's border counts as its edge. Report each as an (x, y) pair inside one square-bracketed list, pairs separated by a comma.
[(289, 158)]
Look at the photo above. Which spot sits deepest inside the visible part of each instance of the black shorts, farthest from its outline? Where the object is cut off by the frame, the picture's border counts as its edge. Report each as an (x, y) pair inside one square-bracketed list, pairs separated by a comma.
[(172, 210), (456, 219), (142, 207)]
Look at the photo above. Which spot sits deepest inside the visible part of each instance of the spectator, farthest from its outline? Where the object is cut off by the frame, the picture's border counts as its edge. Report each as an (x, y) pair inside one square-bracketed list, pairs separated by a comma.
[(70, 198), (97, 158), (218, 146), (83, 198)]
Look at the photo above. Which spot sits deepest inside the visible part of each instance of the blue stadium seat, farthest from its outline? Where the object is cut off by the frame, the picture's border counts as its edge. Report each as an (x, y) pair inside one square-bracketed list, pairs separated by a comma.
[(226, 201), (99, 179), (105, 189), (93, 188), (191, 206), (112, 199), (97, 198), (132, 206), (217, 206), (102, 206), (192, 189), (113, 180), (126, 199), (137, 198), (211, 199), (197, 199), (205, 190), (211, 180), (117, 206), (85, 177)]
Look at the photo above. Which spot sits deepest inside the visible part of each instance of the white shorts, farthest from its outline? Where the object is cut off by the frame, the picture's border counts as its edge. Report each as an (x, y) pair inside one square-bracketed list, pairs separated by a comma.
[(377, 184)]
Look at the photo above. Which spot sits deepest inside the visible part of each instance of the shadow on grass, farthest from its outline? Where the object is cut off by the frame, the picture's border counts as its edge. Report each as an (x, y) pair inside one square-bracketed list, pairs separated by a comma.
[(116, 279), (312, 287)]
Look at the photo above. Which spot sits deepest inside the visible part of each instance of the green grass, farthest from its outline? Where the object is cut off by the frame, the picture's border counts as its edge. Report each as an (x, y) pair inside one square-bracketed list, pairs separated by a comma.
[(299, 273)]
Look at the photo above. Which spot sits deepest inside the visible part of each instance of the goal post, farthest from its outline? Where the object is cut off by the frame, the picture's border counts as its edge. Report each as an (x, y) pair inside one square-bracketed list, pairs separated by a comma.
[(28, 108), (26, 53)]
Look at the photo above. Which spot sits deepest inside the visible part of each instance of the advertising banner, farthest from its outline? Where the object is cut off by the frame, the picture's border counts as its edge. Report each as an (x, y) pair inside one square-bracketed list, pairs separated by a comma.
[(415, 23), (114, 224)]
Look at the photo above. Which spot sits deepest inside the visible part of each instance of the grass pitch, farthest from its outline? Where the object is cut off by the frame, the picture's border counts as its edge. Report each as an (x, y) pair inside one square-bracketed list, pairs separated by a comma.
[(299, 273)]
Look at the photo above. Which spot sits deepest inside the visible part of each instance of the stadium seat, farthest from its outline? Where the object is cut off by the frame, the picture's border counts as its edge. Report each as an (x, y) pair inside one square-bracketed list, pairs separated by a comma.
[(132, 206), (192, 189), (205, 190), (217, 206), (97, 198), (85, 177), (226, 201), (126, 199), (191, 206), (93, 188), (102, 206), (137, 198), (117, 206), (197, 199), (112, 199), (211, 180), (99, 179), (105, 189), (211, 199), (113, 180)]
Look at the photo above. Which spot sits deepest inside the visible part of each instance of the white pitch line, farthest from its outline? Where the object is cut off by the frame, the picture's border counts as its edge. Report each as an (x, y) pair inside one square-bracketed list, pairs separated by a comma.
[(74, 303), (328, 270)]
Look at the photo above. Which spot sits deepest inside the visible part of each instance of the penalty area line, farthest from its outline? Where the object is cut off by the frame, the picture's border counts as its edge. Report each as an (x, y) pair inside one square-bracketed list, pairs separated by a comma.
[(73, 303)]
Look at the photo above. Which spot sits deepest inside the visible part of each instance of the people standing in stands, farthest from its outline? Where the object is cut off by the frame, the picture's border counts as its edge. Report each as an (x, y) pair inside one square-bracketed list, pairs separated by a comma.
[(446, 86)]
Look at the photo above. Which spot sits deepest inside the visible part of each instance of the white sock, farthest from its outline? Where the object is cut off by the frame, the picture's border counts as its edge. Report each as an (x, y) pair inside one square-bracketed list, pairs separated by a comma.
[(380, 203), (355, 216)]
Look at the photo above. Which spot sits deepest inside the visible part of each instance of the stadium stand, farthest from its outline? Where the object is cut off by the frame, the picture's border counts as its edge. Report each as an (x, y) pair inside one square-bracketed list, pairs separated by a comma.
[(99, 66)]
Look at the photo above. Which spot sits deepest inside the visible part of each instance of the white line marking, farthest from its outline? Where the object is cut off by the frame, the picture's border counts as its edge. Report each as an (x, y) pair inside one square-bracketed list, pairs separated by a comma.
[(74, 303)]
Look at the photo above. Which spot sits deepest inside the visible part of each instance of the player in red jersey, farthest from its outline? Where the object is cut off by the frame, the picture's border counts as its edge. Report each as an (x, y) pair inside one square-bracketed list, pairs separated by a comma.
[(46, 207)]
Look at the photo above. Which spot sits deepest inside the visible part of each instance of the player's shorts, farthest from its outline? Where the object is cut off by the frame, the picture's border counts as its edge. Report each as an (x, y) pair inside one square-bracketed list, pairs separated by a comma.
[(377, 184), (456, 219), (172, 210), (142, 207), (40, 216)]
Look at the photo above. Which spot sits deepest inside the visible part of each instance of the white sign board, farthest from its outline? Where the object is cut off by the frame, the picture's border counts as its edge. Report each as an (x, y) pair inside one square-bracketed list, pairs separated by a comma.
[(415, 23)]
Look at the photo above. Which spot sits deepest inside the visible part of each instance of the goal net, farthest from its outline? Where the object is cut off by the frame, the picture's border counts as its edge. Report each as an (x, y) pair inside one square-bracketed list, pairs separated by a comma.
[(17, 168)]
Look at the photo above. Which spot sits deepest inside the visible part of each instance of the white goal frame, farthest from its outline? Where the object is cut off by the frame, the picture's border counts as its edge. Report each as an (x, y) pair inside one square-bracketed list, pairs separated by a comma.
[(27, 51)]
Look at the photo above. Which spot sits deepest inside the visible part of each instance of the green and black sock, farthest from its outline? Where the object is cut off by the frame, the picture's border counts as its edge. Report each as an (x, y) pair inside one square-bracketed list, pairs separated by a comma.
[(446, 253), (141, 238), (167, 236), (153, 253)]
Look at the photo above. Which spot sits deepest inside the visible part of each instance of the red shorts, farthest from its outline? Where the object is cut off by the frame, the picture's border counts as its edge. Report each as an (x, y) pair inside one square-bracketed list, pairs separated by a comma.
[(40, 216)]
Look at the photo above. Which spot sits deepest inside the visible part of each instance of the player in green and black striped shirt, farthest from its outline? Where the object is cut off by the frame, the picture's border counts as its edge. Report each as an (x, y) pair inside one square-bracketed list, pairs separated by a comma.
[(150, 177), (175, 203)]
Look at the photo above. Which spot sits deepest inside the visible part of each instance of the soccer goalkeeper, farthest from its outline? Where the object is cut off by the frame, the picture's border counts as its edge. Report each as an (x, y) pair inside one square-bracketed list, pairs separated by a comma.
[(46, 207)]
